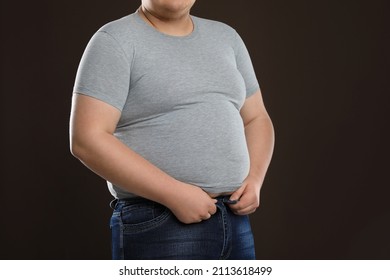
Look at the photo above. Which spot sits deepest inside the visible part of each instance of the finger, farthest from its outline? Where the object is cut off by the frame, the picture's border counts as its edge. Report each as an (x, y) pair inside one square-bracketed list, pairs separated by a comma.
[(247, 199), (246, 210), (213, 210), (238, 193), (245, 202), (208, 216)]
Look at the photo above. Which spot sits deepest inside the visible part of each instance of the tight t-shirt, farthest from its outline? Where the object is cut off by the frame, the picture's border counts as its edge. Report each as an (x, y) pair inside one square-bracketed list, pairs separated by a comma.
[(179, 96)]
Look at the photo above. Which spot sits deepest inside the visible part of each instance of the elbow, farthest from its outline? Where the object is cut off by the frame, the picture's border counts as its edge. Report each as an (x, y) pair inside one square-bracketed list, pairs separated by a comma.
[(259, 119), (76, 148), (85, 146)]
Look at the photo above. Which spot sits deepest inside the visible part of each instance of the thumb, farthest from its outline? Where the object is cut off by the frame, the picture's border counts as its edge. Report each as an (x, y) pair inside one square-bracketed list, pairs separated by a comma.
[(238, 193)]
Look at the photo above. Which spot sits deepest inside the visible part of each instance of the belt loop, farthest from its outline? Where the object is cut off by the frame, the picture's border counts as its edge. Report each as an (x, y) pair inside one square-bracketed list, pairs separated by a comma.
[(113, 203)]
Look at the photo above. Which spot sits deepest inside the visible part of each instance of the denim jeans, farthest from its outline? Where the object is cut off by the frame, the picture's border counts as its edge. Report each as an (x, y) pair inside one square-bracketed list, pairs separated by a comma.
[(142, 229)]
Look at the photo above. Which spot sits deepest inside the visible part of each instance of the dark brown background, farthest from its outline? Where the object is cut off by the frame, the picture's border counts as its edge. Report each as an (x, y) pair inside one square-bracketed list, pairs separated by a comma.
[(324, 71)]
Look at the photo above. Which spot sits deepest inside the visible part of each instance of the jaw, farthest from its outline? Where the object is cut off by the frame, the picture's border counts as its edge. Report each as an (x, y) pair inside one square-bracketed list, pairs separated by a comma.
[(169, 9)]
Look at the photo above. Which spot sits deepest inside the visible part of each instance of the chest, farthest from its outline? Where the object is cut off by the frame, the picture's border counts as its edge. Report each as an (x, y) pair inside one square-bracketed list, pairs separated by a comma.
[(169, 76)]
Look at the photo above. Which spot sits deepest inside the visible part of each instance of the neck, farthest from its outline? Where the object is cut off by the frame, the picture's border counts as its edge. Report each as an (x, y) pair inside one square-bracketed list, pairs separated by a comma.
[(175, 25)]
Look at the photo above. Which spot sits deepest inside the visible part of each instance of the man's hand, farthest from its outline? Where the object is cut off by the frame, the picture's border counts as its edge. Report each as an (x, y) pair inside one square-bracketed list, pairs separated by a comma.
[(192, 205), (248, 195)]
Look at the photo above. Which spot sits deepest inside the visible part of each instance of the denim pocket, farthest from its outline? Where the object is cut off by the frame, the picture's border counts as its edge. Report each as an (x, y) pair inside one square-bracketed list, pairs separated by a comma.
[(143, 216)]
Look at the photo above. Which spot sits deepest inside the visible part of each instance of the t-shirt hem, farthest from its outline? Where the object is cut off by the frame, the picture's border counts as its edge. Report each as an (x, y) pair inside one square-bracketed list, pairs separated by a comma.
[(211, 190), (252, 90), (98, 95)]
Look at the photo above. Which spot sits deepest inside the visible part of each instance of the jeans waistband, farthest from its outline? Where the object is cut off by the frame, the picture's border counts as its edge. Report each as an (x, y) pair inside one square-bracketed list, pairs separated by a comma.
[(223, 198), (129, 200)]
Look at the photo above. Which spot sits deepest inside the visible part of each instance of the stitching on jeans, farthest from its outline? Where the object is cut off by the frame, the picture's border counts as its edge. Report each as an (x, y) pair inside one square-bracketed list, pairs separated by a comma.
[(149, 225), (121, 233), (221, 256)]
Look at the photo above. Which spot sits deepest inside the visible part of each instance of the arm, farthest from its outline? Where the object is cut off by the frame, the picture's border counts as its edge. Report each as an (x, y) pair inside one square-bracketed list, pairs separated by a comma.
[(259, 135), (92, 125)]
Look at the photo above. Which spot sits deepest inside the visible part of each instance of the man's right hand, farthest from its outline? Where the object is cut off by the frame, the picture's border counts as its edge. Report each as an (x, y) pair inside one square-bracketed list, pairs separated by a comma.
[(192, 205)]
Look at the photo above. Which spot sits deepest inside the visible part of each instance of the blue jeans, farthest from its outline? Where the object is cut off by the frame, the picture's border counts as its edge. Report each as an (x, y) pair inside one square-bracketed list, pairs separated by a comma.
[(142, 229)]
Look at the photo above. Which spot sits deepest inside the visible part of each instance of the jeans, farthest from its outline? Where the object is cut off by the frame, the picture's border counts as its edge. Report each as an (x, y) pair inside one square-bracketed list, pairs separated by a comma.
[(142, 229)]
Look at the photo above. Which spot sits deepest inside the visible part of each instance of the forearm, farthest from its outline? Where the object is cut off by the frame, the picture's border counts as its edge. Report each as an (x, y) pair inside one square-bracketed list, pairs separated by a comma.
[(92, 125), (259, 135), (108, 157)]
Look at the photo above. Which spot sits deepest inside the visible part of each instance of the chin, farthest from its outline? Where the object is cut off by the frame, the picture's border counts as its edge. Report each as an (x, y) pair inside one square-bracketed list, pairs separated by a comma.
[(175, 6)]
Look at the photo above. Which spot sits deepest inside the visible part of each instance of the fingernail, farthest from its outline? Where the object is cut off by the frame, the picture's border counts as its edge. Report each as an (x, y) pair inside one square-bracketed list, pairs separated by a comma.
[(231, 201)]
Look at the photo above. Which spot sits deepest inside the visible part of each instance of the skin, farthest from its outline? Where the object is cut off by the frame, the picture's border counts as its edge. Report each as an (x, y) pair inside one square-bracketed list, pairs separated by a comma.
[(168, 16), (93, 122)]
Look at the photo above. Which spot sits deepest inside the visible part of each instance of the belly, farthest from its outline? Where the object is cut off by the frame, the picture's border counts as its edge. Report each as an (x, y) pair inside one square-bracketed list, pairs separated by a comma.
[(202, 145)]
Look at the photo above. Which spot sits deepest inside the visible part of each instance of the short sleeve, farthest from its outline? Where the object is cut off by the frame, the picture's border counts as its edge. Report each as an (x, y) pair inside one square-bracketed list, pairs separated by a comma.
[(244, 65), (104, 71)]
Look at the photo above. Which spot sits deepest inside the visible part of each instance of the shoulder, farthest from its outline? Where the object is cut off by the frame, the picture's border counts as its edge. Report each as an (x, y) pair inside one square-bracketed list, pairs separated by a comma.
[(117, 26), (120, 33), (213, 24), (122, 30), (216, 29)]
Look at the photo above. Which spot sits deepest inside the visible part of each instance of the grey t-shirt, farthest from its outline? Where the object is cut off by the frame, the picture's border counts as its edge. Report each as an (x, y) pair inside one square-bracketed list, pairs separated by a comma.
[(179, 96)]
